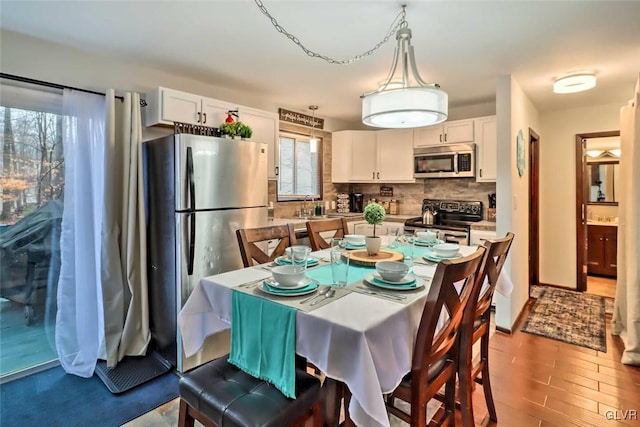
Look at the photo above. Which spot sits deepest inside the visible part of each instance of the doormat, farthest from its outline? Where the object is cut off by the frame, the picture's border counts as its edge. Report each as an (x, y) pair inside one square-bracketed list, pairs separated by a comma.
[(54, 398), (569, 316)]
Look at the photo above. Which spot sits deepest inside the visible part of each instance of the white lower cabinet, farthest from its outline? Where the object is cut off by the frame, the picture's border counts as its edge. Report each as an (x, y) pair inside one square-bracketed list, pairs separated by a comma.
[(478, 237)]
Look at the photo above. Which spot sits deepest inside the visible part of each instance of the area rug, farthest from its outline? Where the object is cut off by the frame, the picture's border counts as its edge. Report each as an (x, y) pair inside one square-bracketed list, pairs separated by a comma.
[(54, 398), (608, 302), (572, 317)]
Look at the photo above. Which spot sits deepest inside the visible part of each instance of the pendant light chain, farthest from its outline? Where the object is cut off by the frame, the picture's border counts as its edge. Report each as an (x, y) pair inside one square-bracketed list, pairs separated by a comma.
[(398, 22)]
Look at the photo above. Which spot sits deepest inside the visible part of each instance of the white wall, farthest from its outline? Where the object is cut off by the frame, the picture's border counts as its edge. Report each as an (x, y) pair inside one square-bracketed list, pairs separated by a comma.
[(42, 60), (558, 186), (514, 112)]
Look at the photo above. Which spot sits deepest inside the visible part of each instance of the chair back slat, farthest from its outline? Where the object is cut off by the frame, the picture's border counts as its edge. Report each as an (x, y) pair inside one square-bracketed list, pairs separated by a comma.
[(450, 290), (497, 252), (249, 237), (314, 228)]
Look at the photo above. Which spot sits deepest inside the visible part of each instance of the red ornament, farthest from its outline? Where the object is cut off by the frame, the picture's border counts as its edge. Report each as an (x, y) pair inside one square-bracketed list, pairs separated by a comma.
[(229, 118)]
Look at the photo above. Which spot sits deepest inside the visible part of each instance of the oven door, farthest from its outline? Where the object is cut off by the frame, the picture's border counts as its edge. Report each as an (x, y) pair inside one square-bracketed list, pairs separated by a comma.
[(450, 236)]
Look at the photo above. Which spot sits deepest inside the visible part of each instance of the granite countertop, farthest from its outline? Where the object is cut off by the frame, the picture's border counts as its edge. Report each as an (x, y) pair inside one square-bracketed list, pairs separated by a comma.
[(606, 223), (483, 225)]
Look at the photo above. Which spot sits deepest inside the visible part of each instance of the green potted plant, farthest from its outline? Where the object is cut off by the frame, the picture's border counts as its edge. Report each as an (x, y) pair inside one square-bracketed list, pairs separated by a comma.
[(374, 214), (228, 129), (236, 130), (244, 130)]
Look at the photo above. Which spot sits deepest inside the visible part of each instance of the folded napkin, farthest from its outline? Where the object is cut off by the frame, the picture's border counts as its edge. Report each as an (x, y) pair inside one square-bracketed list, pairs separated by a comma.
[(285, 291), (263, 340), (287, 261)]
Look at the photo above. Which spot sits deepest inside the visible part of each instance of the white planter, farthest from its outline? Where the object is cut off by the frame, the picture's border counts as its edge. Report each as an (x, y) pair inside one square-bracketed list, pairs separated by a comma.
[(373, 244)]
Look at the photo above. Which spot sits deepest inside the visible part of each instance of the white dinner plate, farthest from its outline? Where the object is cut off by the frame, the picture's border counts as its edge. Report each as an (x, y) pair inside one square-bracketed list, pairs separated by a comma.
[(369, 280), (283, 260), (409, 278), (355, 246), (311, 285), (433, 257), (425, 243)]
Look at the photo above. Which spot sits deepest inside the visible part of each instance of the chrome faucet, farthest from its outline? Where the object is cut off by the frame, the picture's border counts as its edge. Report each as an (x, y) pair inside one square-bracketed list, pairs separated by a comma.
[(305, 210)]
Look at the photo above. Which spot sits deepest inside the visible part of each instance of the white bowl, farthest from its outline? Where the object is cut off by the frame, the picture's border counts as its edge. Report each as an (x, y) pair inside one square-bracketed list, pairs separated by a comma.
[(392, 270), (288, 275), (445, 250), (426, 236), (354, 239)]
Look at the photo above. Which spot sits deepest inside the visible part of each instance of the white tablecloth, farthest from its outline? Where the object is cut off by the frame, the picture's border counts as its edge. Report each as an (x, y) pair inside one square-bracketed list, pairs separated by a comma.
[(364, 341)]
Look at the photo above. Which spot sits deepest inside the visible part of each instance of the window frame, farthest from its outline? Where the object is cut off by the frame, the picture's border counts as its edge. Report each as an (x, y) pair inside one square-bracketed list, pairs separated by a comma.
[(305, 138)]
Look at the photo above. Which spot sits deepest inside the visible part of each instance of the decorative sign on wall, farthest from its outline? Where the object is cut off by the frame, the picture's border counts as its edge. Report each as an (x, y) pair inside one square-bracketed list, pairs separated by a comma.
[(520, 163), (386, 191), (300, 119)]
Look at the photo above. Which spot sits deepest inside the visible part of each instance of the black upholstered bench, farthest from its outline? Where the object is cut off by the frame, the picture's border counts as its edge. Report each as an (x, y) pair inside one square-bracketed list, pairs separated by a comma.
[(220, 394)]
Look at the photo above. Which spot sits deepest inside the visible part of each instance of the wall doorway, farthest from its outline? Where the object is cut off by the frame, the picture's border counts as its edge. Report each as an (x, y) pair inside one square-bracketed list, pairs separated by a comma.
[(582, 192), (534, 209)]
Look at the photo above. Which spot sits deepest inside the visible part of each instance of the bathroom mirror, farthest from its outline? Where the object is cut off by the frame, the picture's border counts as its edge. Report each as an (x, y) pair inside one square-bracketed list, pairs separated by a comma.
[(602, 179)]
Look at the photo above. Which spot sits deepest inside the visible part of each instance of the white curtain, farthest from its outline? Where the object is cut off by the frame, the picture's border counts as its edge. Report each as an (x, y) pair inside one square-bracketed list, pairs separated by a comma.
[(79, 321), (124, 274), (102, 291), (626, 314)]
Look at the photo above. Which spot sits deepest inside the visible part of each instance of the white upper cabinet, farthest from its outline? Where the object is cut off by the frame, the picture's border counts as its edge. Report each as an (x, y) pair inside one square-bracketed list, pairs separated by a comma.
[(455, 132), (395, 155), (372, 156), (341, 156), (364, 156), (486, 149), (265, 127), (166, 106)]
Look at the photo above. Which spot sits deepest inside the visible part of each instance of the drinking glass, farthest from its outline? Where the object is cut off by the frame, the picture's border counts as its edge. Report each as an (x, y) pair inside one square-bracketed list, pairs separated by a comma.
[(338, 242), (406, 247), (299, 256), (393, 234), (339, 266)]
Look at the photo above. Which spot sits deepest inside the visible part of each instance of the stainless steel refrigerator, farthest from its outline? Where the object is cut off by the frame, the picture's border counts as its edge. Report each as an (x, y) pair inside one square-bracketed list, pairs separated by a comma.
[(198, 190)]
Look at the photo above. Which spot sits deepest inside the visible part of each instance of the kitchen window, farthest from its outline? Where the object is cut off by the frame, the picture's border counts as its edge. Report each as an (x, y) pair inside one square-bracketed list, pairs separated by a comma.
[(300, 169)]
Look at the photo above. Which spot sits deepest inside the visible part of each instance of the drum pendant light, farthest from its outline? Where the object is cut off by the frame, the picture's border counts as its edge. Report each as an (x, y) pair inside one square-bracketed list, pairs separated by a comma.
[(404, 101)]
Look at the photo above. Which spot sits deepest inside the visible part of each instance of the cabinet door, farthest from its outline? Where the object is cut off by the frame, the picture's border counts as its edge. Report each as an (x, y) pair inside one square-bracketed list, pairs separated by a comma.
[(265, 128), (595, 249), (364, 156), (486, 149), (611, 251), (214, 111), (426, 136), (458, 131), (179, 106), (395, 155), (341, 156)]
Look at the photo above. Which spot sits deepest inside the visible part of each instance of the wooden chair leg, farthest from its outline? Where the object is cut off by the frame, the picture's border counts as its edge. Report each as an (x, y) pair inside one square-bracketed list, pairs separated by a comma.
[(316, 412), (486, 381), (450, 400), (184, 418), (465, 392)]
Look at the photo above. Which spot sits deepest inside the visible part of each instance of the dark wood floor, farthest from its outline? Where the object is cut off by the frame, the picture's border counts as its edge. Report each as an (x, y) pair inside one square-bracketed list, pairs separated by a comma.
[(541, 382)]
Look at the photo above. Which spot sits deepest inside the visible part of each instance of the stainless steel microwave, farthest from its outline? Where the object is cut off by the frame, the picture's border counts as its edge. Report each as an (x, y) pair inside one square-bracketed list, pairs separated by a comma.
[(445, 161)]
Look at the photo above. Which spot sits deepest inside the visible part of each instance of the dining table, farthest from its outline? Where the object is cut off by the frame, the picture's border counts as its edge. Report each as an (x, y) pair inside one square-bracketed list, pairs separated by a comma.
[(360, 337)]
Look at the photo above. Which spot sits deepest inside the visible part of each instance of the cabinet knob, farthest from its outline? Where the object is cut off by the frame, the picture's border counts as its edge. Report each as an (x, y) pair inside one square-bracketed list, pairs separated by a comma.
[(445, 137), (277, 170), (373, 175), (480, 173), (199, 116), (440, 137), (205, 117), (601, 239), (378, 175)]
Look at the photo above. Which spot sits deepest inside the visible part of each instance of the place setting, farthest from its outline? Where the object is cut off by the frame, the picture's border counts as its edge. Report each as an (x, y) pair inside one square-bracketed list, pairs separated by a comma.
[(391, 280), (426, 238), (441, 252)]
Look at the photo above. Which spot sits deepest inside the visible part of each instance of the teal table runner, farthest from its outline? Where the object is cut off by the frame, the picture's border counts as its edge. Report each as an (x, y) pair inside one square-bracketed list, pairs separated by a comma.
[(263, 340), (323, 274)]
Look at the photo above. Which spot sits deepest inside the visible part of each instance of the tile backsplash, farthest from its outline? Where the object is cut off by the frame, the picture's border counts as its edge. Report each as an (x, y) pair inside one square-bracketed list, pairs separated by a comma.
[(411, 195)]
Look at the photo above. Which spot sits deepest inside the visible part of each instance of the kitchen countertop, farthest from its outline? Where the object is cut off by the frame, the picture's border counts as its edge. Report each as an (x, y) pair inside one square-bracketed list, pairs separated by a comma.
[(606, 223), (300, 222), (483, 225)]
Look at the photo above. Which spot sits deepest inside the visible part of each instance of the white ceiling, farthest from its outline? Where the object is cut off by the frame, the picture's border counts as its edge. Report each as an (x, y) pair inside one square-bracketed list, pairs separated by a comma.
[(463, 46)]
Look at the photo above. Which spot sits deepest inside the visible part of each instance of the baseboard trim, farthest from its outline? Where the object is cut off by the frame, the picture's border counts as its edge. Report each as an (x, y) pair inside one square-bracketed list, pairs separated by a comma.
[(558, 286), (518, 319)]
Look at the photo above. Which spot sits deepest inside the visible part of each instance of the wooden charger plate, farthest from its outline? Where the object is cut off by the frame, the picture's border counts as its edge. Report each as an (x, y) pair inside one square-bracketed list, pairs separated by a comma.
[(361, 257)]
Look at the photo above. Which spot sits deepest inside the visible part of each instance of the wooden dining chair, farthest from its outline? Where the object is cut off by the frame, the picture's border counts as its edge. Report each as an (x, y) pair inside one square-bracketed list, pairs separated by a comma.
[(314, 228), (435, 355), (476, 326), (248, 238)]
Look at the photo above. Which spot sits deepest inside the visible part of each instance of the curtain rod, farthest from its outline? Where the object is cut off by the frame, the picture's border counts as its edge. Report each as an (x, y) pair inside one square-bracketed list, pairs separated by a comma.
[(53, 85)]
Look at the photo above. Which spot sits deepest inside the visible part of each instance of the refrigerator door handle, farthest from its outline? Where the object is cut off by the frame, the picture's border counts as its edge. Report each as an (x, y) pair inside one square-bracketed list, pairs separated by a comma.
[(191, 190), (192, 243)]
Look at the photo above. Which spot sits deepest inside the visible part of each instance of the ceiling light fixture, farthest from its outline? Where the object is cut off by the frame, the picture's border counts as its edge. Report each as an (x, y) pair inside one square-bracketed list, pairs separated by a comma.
[(413, 103), (405, 101), (575, 82), (313, 141)]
